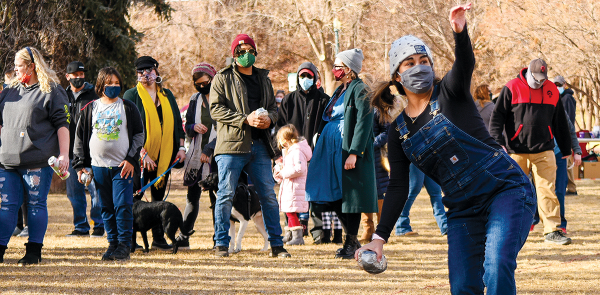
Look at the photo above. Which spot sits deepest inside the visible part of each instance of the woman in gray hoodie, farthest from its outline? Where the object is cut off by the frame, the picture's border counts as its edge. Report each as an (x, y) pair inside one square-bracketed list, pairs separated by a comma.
[(34, 126)]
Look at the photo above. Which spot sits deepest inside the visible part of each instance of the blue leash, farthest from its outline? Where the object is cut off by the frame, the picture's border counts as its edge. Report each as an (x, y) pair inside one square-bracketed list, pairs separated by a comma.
[(149, 184)]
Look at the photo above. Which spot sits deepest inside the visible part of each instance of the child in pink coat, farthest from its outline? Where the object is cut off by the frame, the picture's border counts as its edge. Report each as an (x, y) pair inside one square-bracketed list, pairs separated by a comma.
[(291, 173)]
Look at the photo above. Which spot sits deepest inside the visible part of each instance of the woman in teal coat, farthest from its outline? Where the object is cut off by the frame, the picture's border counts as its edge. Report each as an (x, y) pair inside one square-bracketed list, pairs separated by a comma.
[(341, 175)]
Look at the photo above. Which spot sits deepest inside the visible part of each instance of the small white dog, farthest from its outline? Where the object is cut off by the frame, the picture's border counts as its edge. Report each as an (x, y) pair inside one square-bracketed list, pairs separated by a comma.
[(246, 206)]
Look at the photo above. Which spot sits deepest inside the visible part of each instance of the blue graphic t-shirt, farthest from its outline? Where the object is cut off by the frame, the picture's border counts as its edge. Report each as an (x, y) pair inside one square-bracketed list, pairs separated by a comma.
[(109, 142)]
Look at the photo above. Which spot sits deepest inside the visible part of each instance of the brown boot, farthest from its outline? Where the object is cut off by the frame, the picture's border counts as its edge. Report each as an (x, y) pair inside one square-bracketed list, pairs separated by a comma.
[(379, 206), (368, 227)]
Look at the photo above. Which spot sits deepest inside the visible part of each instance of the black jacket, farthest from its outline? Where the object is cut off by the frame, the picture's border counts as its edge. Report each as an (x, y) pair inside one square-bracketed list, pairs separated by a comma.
[(380, 133), (304, 110), (569, 103), (75, 105), (81, 149)]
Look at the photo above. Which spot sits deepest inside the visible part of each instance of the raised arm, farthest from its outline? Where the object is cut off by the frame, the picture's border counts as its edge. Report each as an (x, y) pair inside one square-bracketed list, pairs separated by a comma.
[(458, 79)]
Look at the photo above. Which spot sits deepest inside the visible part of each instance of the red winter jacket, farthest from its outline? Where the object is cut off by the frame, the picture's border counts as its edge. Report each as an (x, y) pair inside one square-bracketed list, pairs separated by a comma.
[(527, 120)]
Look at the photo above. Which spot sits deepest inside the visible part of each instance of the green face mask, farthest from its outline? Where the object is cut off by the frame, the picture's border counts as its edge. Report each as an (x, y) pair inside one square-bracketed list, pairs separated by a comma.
[(246, 60)]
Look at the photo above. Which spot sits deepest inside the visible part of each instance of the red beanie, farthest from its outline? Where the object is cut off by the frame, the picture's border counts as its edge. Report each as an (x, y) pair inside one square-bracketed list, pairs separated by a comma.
[(241, 39)]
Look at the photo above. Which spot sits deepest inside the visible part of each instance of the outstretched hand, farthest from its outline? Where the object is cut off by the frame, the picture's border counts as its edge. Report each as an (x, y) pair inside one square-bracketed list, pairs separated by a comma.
[(457, 17), (375, 246)]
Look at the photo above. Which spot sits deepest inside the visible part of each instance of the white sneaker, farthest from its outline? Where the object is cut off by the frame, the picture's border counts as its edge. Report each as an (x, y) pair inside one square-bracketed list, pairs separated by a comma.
[(24, 232)]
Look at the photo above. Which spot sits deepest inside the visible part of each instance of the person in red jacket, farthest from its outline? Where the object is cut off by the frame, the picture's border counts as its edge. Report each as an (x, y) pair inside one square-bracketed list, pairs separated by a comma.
[(529, 113)]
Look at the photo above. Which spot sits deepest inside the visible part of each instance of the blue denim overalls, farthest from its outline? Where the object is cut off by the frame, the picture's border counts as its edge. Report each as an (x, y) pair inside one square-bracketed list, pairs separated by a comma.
[(490, 202)]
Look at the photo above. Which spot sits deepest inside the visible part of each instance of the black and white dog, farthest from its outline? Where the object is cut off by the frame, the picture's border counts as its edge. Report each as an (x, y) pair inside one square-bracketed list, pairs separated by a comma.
[(246, 207)]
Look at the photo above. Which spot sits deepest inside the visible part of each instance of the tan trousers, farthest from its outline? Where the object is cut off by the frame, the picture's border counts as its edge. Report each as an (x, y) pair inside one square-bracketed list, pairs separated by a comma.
[(571, 187), (543, 167)]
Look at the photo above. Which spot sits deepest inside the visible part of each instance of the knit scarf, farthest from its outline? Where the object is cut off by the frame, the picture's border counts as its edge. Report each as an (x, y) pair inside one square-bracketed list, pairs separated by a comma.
[(157, 138), (194, 170)]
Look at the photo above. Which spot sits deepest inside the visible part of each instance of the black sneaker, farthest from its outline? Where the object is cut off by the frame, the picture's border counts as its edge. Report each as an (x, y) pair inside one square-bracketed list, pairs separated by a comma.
[(121, 253), (161, 246), (183, 242), (279, 251), (17, 231), (108, 255), (78, 233), (221, 251), (557, 237), (97, 232), (568, 193)]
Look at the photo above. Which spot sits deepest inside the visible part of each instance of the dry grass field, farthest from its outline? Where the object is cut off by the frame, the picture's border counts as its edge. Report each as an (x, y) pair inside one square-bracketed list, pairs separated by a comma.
[(417, 265)]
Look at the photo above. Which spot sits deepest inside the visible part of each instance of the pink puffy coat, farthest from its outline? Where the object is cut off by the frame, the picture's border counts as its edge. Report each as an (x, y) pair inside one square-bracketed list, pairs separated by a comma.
[(295, 168)]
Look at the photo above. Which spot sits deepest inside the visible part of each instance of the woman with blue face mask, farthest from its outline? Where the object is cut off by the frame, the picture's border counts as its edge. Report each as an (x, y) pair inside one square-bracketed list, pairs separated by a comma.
[(490, 201)]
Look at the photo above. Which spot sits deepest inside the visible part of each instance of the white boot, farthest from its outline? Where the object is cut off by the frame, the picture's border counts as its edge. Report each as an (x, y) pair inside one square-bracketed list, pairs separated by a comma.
[(297, 236)]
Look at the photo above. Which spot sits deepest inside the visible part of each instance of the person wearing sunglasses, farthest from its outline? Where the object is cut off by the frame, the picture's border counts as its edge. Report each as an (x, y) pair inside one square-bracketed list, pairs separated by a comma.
[(164, 133), (243, 104), (527, 119)]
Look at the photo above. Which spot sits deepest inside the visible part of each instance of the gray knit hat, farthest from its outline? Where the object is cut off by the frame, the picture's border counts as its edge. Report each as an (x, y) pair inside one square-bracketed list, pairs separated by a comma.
[(405, 47), (560, 80), (352, 58)]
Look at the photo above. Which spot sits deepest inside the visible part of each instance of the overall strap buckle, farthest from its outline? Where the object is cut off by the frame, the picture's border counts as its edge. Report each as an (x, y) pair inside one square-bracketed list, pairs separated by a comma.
[(405, 136)]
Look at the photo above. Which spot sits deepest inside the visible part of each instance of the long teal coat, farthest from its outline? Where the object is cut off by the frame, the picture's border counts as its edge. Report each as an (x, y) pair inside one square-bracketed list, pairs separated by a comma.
[(359, 187)]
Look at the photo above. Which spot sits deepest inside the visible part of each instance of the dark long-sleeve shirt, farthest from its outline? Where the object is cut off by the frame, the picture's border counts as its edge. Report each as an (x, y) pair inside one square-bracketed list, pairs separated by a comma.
[(456, 103)]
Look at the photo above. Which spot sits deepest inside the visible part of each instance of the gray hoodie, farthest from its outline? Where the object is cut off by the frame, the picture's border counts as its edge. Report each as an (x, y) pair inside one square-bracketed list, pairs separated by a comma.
[(30, 119)]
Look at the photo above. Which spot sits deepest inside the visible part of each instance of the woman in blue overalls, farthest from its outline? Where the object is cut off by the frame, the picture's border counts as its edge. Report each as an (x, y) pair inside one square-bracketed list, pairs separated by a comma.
[(490, 200)]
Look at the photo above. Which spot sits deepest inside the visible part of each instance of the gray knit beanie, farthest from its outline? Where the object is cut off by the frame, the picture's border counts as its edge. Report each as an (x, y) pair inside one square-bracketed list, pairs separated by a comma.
[(352, 58), (405, 47)]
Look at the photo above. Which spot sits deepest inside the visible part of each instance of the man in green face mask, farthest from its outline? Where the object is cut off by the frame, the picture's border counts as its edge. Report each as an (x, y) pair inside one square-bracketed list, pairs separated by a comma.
[(243, 105)]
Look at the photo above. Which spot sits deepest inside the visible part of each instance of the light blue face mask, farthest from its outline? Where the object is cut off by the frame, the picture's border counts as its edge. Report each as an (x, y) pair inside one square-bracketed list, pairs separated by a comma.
[(306, 83), (561, 90)]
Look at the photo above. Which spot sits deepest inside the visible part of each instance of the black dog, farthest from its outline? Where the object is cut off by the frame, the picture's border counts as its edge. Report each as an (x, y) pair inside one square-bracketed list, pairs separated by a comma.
[(211, 182), (149, 215)]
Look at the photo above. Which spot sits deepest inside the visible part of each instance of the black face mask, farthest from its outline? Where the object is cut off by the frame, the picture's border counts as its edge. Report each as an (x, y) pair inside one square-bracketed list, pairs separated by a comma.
[(77, 82), (204, 90)]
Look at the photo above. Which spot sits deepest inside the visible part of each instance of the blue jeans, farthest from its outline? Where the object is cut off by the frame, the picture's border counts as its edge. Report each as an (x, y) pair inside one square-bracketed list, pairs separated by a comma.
[(13, 183), (562, 180), (490, 202), (116, 200), (481, 246), (417, 179), (76, 195), (303, 216), (257, 165)]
